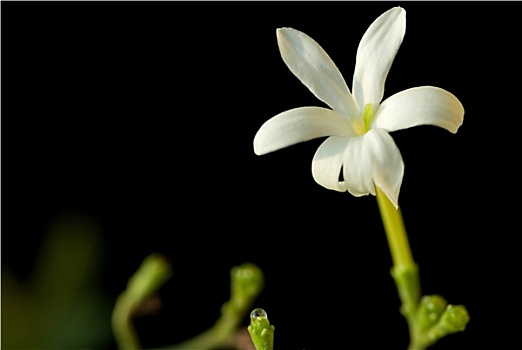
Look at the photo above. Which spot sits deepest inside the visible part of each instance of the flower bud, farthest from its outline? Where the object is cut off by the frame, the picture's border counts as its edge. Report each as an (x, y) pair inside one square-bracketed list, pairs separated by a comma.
[(154, 271), (261, 332), (429, 311), (454, 319), (247, 281)]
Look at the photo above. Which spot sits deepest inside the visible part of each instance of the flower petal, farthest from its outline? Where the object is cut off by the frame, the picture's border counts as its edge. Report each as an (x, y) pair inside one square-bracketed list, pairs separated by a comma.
[(357, 168), (327, 163), (312, 65), (387, 163), (420, 106), (299, 125), (373, 160), (375, 55)]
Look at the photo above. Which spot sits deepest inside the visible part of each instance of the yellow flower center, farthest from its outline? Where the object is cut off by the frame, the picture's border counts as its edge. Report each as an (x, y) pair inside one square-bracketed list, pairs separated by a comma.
[(364, 124)]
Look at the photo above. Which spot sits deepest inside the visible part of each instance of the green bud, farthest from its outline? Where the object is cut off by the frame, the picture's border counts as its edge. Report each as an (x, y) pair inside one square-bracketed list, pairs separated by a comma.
[(429, 310), (247, 281), (454, 319), (261, 332), (152, 273)]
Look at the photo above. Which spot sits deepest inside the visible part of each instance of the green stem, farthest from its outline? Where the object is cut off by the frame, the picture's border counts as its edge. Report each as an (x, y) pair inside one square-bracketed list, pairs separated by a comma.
[(150, 276), (395, 231), (122, 325), (221, 335), (247, 281), (404, 270)]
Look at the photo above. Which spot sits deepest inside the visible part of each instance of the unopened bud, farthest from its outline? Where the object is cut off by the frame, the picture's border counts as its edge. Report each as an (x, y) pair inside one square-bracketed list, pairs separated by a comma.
[(430, 309), (261, 332), (454, 319)]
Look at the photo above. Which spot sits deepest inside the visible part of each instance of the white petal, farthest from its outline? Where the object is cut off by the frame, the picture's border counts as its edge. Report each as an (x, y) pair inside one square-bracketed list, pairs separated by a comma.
[(420, 106), (299, 125), (375, 55), (312, 65), (387, 164), (357, 168), (327, 163)]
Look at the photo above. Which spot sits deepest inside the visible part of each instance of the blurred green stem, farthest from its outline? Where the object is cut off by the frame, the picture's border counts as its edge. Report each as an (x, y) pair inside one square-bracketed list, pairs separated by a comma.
[(404, 270), (221, 335), (247, 281), (154, 271), (122, 325)]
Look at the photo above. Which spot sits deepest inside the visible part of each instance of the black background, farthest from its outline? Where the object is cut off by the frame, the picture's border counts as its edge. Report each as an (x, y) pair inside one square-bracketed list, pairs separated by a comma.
[(141, 115)]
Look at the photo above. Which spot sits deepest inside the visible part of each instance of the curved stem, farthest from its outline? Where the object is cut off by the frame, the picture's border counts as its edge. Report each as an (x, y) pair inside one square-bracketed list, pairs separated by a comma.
[(122, 325), (150, 276), (247, 281), (221, 335)]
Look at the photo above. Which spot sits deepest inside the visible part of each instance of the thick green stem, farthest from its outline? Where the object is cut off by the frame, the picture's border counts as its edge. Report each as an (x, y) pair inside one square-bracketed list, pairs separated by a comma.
[(122, 325), (404, 270)]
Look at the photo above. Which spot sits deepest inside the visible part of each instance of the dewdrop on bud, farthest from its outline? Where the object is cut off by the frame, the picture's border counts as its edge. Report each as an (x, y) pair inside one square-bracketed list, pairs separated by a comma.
[(258, 314), (261, 331)]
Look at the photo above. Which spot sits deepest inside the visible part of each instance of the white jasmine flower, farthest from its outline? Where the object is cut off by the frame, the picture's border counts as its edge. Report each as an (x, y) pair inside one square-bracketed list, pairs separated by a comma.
[(358, 146)]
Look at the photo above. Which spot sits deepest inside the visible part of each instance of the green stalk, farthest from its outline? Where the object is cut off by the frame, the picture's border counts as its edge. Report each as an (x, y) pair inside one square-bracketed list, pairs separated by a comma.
[(150, 276), (404, 270), (221, 335), (247, 281), (395, 231), (122, 326)]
